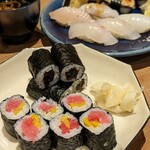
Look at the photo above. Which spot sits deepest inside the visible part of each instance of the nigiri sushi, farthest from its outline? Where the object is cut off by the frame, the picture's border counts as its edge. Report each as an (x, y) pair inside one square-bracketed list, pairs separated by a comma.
[(119, 28), (69, 15), (140, 22), (91, 32), (99, 10)]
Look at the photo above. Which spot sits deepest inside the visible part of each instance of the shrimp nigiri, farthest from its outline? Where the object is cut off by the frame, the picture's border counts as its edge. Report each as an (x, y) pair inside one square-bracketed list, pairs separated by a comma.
[(140, 22), (69, 15), (91, 32), (119, 28)]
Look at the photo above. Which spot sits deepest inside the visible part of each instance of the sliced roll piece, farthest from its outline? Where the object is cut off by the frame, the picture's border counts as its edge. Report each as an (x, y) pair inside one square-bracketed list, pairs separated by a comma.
[(67, 58), (12, 109), (43, 68), (33, 133), (57, 91), (67, 133), (99, 129), (76, 103), (47, 108)]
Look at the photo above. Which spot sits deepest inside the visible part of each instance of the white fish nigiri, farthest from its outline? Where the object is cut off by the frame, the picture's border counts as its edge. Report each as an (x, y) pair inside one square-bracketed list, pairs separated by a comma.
[(140, 22), (119, 28), (69, 15), (99, 10), (91, 32)]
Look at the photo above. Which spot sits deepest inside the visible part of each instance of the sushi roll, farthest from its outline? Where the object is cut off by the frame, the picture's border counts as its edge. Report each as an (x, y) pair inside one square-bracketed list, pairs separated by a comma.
[(66, 56), (67, 133), (47, 108), (43, 68), (76, 103), (12, 109), (34, 91), (99, 129), (33, 133), (57, 91)]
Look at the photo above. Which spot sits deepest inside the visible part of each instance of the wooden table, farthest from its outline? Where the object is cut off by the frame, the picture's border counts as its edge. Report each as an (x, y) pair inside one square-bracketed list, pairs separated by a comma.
[(140, 64)]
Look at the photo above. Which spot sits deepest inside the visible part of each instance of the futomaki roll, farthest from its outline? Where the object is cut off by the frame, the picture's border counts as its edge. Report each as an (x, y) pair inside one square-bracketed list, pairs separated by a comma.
[(33, 133), (99, 129), (43, 68), (47, 108), (12, 109), (67, 133), (76, 103), (67, 58)]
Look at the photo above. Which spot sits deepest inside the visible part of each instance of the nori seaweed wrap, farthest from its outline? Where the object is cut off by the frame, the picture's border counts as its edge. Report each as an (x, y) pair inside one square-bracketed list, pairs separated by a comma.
[(43, 68), (12, 109), (57, 91), (67, 58), (33, 133), (67, 132), (98, 129), (34, 91), (47, 108)]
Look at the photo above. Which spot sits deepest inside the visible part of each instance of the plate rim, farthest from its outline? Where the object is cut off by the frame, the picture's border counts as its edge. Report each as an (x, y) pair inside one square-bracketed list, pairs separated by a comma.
[(113, 54)]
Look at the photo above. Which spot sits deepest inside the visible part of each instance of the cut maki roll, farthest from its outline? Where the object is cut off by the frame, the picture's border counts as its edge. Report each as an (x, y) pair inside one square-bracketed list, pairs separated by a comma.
[(76, 103), (34, 91), (57, 91), (61, 89), (43, 68), (47, 108), (66, 56), (80, 84), (33, 133), (12, 109), (99, 129), (67, 133)]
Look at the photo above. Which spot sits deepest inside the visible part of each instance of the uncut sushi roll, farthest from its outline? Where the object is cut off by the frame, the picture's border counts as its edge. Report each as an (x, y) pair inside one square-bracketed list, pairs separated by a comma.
[(76, 103), (57, 91), (47, 108), (99, 129), (43, 68), (33, 133), (67, 133), (67, 58), (12, 109)]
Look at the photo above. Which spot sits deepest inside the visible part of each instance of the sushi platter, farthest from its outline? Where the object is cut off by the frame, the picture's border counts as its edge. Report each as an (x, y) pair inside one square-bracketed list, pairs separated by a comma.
[(21, 82), (130, 45)]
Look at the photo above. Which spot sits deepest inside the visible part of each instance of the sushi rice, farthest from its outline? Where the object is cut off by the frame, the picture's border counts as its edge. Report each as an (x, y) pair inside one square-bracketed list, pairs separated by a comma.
[(77, 102), (47, 108), (56, 122), (14, 111), (30, 121)]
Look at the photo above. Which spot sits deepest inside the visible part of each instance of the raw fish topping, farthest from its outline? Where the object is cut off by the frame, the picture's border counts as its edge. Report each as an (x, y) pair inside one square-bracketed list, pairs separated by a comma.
[(96, 118), (31, 127), (67, 124), (46, 107), (75, 101), (15, 106)]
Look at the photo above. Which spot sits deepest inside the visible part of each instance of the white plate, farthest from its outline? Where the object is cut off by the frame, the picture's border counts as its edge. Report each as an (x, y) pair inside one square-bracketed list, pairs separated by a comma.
[(14, 77)]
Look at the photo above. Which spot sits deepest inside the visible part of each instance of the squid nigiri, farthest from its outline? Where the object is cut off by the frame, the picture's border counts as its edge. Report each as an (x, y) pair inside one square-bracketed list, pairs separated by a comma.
[(99, 10), (91, 32), (140, 22), (119, 28), (69, 15)]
